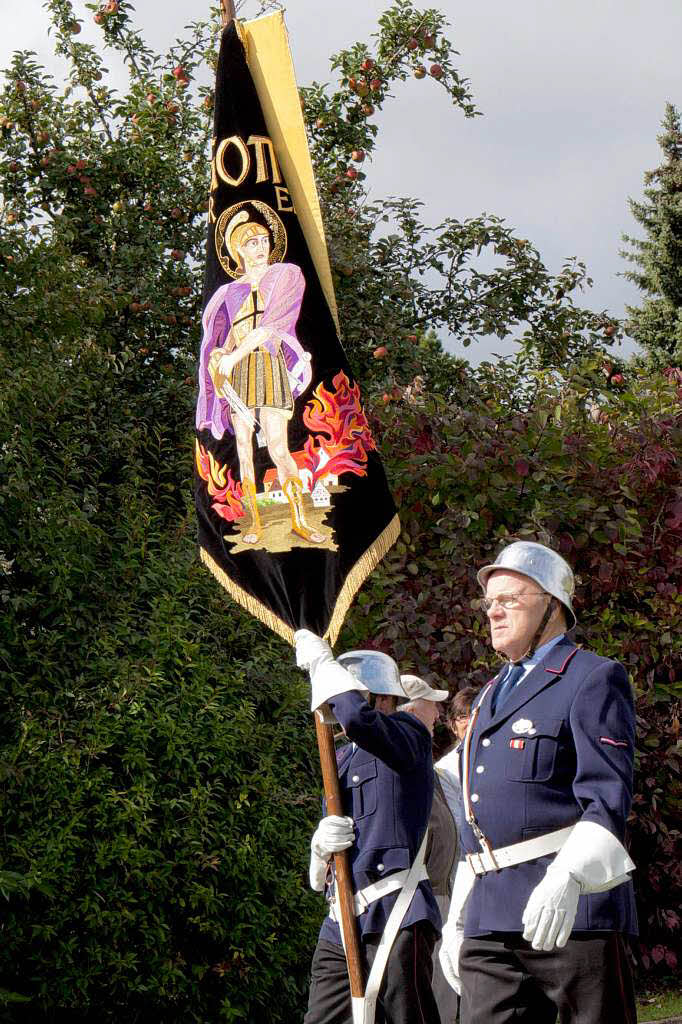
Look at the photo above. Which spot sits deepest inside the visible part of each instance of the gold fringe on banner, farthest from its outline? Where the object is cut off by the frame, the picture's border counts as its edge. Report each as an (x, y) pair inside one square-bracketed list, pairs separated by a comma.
[(354, 580)]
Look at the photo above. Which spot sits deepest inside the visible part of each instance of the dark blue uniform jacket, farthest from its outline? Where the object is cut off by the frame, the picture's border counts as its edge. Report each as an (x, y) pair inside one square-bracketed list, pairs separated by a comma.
[(577, 765), (387, 789)]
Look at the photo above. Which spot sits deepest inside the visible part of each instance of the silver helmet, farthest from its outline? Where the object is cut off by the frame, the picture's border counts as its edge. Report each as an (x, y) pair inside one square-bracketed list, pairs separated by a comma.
[(539, 563), (375, 670)]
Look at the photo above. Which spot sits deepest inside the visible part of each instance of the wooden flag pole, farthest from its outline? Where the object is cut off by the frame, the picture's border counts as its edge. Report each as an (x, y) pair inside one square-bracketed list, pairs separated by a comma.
[(344, 877), (228, 11), (332, 793)]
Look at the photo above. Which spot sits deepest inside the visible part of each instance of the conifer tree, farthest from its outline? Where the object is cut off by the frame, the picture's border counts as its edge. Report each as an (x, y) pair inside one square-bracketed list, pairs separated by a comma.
[(657, 259)]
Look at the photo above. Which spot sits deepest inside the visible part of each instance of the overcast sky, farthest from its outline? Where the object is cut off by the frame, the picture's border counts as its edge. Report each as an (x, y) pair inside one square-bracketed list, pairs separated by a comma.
[(572, 96)]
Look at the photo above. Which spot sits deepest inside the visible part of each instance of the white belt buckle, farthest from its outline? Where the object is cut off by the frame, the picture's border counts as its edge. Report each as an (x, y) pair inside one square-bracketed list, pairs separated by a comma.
[(361, 903), (475, 861)]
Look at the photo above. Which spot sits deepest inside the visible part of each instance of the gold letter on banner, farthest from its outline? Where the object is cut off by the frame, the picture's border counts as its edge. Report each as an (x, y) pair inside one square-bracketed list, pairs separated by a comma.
[(284, 202), (259, 142), (238, 143)]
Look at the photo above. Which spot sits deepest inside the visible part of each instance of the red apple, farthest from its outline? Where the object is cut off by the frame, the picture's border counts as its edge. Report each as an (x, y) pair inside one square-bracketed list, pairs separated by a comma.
[(352, 83), (73, 27), (618, 379), (151, 98), (176, 213), (385, 398), (358, 155), (411, 337), (436, 71), (177, 254), (20, 86), (89, 191), (112, 7), (98, 18), (179, 72), (428, 39), (367, 109), (367, 64), (375, 84), (351, 173), (420, 71), (14, 167), (609, 331), (381, 352), (43, 137), (412, 43), (81, 165), (171, 107), (45, 161)]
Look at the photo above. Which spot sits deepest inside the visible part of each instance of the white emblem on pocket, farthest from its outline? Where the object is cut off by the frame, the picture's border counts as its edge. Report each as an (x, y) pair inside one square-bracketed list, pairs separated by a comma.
[(522, 726)]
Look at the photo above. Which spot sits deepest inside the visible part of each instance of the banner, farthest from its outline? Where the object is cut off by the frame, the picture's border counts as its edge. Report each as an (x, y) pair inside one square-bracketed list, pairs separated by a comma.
[(293, 505)]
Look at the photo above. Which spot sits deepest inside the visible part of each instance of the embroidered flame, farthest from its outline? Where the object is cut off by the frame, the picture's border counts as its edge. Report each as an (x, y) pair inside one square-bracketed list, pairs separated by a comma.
[(221, 485), (342, 435)]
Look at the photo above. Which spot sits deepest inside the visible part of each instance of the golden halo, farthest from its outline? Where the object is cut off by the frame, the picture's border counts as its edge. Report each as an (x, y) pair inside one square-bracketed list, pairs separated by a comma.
[(272, 221)]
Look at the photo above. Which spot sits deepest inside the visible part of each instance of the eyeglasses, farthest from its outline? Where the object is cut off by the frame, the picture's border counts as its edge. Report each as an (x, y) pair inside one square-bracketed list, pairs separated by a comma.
[(508, 601)]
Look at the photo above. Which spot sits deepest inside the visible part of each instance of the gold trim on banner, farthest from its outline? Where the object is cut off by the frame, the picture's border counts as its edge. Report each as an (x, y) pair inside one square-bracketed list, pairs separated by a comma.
[(269, 57), (354, 580)]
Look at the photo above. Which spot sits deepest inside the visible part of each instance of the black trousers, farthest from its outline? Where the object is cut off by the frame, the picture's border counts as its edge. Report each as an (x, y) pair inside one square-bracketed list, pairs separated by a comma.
[(405, 996), (587, 982)]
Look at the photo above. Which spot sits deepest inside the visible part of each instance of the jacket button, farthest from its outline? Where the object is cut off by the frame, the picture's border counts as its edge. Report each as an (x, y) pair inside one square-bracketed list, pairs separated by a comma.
[(485, 742), (380, 867), (356, 778), (480, 769), (474, 798)]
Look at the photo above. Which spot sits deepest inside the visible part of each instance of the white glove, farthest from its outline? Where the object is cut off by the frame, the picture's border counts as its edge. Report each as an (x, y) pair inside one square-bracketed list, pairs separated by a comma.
[(453, 929), (550, 911), (332, 835), (591, 860), (327, 678)]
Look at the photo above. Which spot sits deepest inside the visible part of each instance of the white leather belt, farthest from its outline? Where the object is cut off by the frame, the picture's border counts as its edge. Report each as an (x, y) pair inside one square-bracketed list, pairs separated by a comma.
[(384, 887), (518, 853)]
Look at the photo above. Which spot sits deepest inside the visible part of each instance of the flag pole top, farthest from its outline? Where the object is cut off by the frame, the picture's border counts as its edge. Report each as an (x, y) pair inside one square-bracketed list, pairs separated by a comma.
[(227, 10)]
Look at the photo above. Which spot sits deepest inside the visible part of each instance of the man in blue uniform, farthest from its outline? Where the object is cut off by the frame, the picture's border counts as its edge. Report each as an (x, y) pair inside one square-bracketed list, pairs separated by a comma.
[(386, 781), (543, 901)]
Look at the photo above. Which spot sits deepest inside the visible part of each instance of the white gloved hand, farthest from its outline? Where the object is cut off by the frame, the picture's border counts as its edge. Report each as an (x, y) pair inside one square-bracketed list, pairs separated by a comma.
[(333, 834), (551, 909), (453, 929), (591, 860), (311, 650), (327, 678)]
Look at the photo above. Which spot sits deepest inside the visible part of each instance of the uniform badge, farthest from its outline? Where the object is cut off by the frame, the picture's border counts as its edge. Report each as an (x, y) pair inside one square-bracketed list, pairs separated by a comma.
[(517, 744), (522, 726)]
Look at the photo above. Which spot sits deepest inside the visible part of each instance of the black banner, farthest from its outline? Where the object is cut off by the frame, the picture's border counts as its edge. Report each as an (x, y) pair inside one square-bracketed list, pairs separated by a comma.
[(293, 506)]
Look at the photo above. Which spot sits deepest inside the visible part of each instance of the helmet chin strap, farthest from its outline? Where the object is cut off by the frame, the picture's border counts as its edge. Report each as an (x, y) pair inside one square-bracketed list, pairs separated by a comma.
[(538, 632)]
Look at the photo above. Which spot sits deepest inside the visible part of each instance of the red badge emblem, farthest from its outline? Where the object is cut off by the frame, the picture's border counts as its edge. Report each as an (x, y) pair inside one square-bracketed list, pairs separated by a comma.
[(517, 744)]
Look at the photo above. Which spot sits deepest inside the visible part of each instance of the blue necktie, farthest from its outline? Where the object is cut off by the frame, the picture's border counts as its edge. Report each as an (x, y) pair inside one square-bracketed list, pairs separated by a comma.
[(507, 685)]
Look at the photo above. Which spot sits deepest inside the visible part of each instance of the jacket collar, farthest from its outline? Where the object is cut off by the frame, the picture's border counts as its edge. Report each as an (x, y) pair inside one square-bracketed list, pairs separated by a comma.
[(546, 672)]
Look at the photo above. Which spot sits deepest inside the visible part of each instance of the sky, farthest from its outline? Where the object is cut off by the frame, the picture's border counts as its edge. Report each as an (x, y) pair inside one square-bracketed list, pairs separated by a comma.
[(572, 96)]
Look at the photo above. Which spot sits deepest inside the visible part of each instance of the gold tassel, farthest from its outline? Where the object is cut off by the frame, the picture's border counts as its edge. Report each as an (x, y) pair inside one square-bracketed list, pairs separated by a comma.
[(358, 574), (354, 580)]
